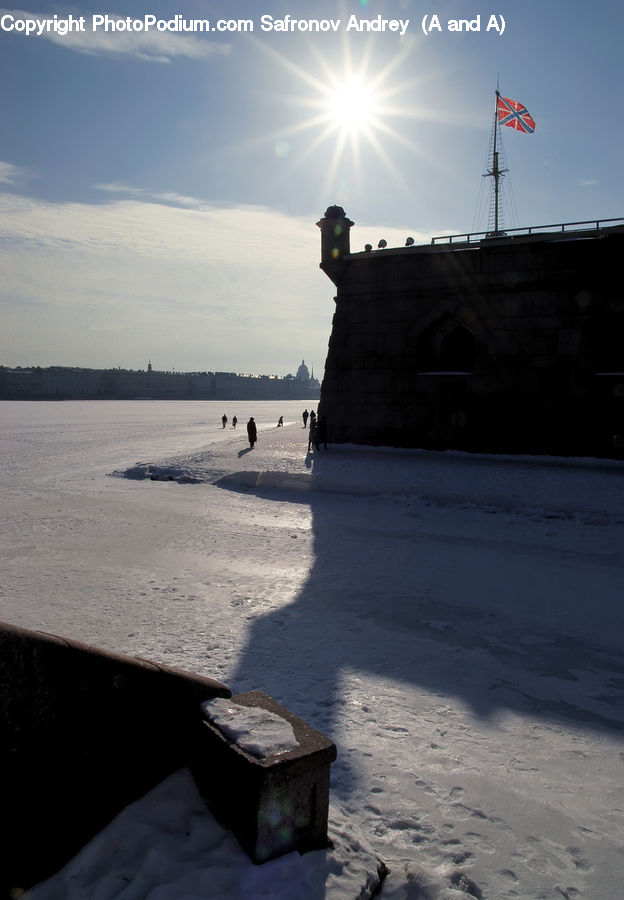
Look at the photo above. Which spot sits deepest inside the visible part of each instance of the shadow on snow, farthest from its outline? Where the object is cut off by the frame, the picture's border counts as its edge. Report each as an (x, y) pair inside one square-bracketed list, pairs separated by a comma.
[(409, 606)]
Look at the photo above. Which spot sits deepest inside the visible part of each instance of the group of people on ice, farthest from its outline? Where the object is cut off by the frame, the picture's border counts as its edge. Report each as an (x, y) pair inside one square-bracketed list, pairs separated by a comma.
[(252, 431), (317, 433)]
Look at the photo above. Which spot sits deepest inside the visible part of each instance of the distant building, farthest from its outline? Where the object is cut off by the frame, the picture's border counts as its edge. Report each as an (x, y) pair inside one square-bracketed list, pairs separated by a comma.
[(67, 383), (510, 344), (303, 373)]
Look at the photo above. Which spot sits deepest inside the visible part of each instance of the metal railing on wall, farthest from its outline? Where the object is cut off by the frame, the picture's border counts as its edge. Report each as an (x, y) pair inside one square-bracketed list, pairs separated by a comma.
[(566, 227)]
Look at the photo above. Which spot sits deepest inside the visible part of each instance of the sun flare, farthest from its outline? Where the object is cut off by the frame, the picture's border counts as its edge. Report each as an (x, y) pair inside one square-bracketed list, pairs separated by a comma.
[(352, 106)]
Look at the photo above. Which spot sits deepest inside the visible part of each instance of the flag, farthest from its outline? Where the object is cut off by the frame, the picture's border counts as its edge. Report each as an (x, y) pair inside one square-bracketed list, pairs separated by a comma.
[(514, 114)]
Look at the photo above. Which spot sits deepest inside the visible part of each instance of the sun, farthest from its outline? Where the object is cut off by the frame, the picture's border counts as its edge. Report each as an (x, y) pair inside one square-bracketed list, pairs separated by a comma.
[(353, 106)]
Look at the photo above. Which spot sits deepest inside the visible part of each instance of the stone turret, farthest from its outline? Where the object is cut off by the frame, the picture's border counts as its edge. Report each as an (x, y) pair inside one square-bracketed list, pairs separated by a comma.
[(335, 244)]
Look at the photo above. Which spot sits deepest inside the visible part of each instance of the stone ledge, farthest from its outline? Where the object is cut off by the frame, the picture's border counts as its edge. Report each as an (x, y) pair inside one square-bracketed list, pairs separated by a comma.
[(83, 732), (273, 804)]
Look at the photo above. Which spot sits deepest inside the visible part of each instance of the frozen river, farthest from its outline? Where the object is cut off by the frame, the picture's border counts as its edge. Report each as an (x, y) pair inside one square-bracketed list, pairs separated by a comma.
[(102, 559), (453, 622)]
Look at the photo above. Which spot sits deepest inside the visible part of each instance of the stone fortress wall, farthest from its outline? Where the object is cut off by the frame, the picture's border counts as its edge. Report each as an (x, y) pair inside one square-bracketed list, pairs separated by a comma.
[(512, 344)]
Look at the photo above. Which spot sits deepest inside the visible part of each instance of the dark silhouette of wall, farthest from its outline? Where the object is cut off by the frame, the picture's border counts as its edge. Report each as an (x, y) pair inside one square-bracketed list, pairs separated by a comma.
[(83, 733), (513, 344)]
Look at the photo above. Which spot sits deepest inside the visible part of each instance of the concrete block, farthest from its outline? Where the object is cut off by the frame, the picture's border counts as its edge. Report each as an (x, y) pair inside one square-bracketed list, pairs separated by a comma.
[(83, 733), (276, 803)]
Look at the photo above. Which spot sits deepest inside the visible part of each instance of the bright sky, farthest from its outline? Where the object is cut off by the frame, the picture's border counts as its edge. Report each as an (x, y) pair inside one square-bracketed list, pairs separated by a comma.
[(159, 189)]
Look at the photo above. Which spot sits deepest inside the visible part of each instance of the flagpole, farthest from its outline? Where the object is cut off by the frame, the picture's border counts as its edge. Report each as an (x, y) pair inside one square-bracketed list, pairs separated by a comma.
[(495, 169), (515, 114), (496, 172)]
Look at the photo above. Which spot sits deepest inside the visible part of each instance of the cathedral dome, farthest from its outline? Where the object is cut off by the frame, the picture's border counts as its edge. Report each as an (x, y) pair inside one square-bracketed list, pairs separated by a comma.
[(302, 372)]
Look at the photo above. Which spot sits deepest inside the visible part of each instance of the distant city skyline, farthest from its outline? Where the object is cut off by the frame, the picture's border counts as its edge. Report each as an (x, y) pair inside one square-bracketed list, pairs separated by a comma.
[(78, 383), (295, 371), (159, 189)]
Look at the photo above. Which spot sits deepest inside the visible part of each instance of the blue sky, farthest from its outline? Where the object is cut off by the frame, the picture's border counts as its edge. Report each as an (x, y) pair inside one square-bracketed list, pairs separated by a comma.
[(159, 190)]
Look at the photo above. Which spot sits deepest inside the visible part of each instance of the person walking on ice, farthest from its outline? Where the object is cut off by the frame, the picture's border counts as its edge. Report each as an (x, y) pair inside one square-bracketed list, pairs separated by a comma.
[(224, 420), (252, 432)]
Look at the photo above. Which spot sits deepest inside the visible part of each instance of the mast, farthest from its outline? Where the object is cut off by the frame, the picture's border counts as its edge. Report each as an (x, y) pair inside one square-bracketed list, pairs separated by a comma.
[(495, 171)]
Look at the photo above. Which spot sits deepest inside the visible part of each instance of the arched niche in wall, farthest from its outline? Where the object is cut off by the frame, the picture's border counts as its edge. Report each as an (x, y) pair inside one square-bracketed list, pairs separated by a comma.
[(445, 345), (456, 350)]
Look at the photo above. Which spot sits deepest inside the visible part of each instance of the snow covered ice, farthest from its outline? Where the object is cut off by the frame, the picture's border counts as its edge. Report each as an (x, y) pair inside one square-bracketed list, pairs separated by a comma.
[(452, 621)]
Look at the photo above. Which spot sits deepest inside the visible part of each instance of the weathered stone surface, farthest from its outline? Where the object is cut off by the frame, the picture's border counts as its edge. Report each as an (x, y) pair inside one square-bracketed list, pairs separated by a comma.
[(274, 804)]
